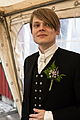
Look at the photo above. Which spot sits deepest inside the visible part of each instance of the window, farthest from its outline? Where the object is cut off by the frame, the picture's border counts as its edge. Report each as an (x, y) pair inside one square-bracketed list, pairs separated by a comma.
[(69, 37)]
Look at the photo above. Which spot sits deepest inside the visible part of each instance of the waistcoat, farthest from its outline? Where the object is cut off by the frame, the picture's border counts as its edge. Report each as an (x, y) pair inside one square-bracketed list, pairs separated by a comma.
[(39, 86)]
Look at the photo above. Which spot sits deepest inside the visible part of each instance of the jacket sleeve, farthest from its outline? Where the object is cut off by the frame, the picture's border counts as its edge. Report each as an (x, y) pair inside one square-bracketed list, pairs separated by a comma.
[(72, 112)]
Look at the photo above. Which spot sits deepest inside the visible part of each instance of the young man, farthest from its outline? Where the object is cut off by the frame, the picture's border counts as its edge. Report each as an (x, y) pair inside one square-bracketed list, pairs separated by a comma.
[(52, 75)]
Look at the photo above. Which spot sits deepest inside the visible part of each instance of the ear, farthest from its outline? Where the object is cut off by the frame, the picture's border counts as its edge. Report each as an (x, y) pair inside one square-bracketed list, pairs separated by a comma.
[(58, 32)]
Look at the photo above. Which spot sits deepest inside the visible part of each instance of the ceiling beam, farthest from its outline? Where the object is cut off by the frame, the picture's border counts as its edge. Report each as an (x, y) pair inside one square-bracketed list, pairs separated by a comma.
[(32, 7)]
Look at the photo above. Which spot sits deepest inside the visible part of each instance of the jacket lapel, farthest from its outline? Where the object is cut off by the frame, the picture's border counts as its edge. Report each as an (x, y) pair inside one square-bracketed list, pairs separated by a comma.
[(47, 84), (31, 62)]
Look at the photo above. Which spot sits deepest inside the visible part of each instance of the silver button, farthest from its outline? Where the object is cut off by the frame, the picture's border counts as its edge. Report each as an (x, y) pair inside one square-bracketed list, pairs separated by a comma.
[(35, 98), (39, 105), (41, 75), (40, 83), (35, 90), (39, 98), (35, 105), (40, 90), (36, 75), (36, 83)]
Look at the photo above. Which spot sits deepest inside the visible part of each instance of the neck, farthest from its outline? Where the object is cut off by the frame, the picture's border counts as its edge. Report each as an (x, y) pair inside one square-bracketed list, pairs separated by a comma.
[(43, 48)]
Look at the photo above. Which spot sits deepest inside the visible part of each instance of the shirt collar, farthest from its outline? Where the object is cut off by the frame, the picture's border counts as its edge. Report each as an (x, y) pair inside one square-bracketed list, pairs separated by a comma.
[(50, 51)]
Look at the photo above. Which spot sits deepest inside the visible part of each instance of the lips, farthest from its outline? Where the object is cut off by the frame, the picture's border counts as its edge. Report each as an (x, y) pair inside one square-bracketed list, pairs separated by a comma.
[(41, 35)]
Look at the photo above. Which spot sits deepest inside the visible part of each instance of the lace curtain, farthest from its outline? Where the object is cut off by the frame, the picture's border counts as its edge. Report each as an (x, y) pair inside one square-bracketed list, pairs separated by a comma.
[(69, 39)]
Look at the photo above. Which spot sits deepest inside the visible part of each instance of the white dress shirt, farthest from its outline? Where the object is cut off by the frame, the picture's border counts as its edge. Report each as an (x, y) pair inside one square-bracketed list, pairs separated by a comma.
[(46, 57), (43, 60)]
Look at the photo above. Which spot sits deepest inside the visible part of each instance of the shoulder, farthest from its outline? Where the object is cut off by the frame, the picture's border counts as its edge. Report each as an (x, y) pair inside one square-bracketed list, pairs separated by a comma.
[(68, 57), (68, 52), (32, 56)]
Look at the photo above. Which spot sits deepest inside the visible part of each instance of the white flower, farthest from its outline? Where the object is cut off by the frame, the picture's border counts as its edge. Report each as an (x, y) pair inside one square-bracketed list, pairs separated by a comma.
[(53, 73)]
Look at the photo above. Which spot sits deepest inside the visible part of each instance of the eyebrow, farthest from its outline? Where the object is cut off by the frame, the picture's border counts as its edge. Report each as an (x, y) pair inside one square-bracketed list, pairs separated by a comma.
[(36, 22)]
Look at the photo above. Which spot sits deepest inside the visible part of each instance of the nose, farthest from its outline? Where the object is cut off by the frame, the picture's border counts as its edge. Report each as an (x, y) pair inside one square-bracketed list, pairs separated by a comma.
[(42, 27)]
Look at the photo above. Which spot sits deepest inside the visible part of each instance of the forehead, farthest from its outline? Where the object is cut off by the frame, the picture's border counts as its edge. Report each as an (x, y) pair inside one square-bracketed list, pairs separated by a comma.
[(35, 20)]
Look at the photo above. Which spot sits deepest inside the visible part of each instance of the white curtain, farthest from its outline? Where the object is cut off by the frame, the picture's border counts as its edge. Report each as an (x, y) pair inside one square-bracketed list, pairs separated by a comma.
[(70, 34), (69, 39), (25, 46)]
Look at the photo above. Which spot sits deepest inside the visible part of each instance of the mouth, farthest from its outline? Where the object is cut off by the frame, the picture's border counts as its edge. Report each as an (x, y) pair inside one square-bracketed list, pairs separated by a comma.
[(41, 35)]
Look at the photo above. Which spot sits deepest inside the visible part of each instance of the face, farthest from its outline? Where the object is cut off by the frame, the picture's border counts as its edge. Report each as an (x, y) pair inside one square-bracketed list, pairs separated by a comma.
[(43, 34)]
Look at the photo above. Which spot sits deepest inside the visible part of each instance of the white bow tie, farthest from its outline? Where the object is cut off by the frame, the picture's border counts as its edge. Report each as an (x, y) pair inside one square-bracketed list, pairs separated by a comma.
[(41, 63), (42, 59)]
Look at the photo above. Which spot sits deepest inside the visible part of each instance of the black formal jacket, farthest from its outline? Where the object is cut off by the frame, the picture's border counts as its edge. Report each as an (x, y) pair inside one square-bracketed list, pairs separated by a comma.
[(64, 98)]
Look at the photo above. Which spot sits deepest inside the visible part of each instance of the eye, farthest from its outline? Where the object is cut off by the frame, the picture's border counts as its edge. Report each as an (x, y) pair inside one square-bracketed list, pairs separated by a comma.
[(46, 24), (36, 25)]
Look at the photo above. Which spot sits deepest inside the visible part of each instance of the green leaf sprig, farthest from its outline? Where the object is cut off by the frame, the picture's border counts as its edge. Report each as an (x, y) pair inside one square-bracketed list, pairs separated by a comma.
[(53, 73)]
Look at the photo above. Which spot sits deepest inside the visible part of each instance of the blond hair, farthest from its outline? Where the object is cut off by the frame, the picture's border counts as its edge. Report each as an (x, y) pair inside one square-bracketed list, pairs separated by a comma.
[(48, 16)]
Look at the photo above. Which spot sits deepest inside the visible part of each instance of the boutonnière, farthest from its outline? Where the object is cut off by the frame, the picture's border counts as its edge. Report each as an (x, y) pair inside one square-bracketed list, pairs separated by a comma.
[(53, 73)]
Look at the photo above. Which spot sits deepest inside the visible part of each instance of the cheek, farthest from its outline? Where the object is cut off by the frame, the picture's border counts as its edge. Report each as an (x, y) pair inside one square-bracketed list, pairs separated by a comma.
[(34, 35), (33, 32), (52, 35)]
